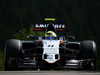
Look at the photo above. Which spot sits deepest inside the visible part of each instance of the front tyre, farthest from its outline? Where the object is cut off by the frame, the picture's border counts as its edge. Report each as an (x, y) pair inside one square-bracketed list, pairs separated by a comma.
[(12, 51), (88, 53)]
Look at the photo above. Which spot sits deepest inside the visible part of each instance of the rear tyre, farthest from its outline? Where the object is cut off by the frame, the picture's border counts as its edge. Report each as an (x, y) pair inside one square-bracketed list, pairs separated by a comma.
[(89, 54), (12, 51)]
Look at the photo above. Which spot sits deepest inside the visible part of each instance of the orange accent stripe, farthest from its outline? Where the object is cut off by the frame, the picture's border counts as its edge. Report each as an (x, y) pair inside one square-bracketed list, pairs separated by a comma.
[(39, 41), (39, 28), (61, 42), (62, 29)]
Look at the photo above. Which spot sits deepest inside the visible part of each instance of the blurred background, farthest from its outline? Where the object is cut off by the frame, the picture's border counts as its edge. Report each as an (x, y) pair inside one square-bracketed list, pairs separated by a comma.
[(18, 16)]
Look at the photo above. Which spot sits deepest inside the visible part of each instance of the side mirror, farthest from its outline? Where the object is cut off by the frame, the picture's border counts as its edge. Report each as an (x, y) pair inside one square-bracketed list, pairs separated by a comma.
[(30, 36), (71, 37)]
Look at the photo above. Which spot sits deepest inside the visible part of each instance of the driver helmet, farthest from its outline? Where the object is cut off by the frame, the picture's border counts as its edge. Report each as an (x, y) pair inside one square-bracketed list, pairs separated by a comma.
[(50, 35)]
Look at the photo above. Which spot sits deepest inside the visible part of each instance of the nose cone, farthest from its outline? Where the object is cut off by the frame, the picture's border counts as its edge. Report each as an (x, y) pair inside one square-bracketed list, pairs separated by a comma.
[(51, 58)]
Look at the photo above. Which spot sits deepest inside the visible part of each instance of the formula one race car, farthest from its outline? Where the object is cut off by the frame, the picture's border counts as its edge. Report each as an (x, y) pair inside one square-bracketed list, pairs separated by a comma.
[(51, 51)]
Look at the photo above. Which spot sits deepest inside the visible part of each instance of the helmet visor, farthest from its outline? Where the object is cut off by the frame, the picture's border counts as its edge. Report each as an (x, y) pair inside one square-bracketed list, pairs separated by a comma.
[(50, 37)]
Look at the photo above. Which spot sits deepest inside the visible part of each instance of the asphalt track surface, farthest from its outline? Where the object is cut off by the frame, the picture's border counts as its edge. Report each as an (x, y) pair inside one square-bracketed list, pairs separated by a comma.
[(48, 73)]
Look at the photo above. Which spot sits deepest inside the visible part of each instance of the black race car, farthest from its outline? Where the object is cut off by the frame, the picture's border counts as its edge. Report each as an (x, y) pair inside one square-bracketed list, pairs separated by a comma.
[(52, 53)]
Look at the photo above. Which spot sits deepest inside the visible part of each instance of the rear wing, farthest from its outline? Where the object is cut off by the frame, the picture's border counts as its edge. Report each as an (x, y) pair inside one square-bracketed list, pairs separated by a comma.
[(43, 27)]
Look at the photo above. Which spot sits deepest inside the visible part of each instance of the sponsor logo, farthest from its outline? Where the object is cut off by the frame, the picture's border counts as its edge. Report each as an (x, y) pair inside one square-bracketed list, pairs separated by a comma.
[(45, 25)]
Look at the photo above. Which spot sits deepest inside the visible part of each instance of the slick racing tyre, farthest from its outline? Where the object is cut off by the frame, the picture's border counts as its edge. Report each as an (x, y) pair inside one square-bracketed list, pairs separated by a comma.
[(12, 52), (89, 55)]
